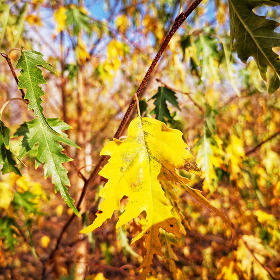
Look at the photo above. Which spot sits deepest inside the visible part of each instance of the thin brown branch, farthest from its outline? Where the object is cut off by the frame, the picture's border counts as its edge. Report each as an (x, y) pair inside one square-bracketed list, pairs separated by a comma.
[(179, 20), (13, 72), (251, 151), (63, 81), (182, 92)]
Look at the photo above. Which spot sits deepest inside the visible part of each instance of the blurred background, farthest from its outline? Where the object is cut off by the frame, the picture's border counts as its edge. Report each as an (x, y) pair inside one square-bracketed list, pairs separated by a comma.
[(101, 51)]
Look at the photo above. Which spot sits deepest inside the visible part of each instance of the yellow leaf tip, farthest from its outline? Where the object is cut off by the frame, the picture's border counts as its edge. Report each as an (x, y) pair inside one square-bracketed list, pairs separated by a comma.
[(86, 230)]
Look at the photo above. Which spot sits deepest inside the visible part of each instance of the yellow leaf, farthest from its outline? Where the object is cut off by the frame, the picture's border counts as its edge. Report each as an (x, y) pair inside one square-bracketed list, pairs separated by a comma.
[(221, 13), (265, 218), (60, 18), (143, 168), (34, 20), (99, 276), (172, 177), (235, 154), (24, 183), (122, 23), (114, 49), (248, 262), (45, 240), (37, 1), (152, 242), (209, 156), (59, 210), (6, 195), (133, 171), (227, 271), (81, 51), (271, 161)]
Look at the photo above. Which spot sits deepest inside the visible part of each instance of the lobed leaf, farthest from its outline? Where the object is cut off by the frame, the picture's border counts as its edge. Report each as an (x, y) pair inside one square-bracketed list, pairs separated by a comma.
[(49, 152), (254, 35), (30, 79), (78, 20), (161, 98), (143, 168), (153, 244), (133, 171)]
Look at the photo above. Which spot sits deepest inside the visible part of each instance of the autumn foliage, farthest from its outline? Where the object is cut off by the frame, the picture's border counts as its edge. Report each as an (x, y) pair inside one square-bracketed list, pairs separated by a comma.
[(140, 139)]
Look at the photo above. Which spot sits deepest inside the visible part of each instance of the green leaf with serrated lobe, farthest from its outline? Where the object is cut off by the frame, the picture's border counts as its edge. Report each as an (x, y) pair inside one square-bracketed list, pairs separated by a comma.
[(254, 35), (49, 152), (30, 79), (8, 232), (78, 20), (161, 110)]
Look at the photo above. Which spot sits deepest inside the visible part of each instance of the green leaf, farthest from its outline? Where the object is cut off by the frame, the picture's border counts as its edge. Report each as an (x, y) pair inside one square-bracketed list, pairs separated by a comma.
[(161, 110), (8, 232), (6, 156), (254, 35), (208, 55), (30, 78), (49, 152), (185, 43), (25, 200), (78, 20), (143, 105)]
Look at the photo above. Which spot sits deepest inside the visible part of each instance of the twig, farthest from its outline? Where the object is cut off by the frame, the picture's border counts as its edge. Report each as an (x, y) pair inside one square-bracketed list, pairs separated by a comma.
[(179, 20), (251, 151), (14, 73), (92, 178), (182, 92)]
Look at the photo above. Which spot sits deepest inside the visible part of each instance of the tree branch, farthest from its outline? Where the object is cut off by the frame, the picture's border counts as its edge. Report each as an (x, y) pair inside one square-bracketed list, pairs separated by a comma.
[(251, 151)]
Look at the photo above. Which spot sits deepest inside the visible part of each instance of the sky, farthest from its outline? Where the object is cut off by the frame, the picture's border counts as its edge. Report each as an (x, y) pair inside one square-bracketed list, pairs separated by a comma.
[(97, 9)]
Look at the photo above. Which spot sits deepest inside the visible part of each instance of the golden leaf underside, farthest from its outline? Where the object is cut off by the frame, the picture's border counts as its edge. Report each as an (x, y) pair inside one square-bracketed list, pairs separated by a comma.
[(152, 242), (170, 175)]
